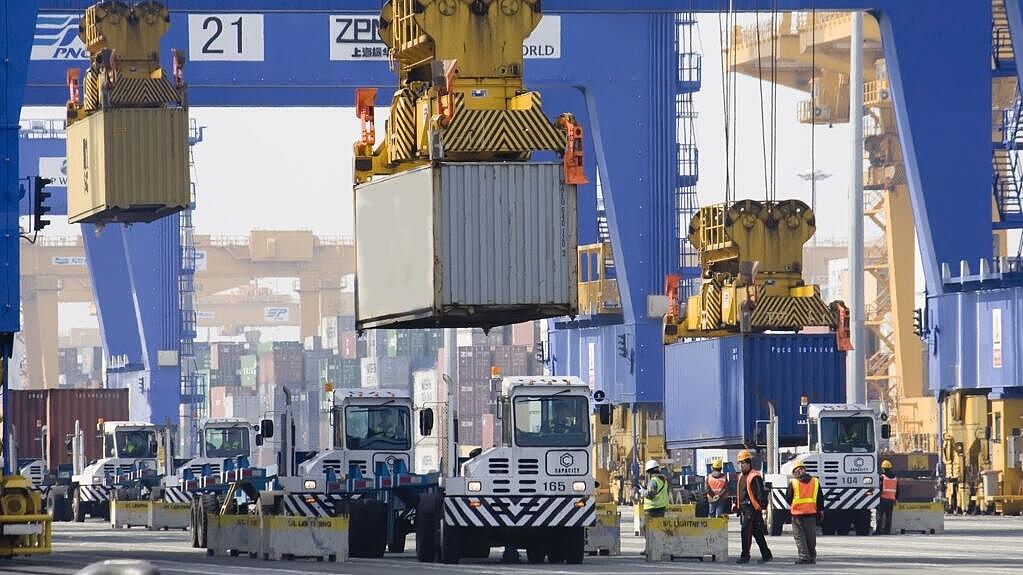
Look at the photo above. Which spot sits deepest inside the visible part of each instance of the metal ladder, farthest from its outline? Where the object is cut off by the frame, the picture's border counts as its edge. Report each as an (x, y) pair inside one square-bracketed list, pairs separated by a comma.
[(688, 81), (191, 395)]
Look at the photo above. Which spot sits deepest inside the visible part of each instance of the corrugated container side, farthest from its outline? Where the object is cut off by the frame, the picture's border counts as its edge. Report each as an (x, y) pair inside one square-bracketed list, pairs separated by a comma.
[(58, 409), (500, 237), (717, 389), (137, 165), (27, 412)]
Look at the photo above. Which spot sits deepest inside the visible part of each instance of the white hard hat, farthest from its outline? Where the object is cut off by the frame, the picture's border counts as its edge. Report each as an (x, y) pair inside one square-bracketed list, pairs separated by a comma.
[(651, 465)]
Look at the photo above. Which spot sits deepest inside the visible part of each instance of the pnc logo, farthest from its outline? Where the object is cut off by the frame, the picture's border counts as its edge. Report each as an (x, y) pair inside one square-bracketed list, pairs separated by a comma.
[(56, 38)]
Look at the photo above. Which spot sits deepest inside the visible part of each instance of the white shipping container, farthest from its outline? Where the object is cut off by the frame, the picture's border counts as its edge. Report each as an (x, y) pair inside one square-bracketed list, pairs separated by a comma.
[(429, 389), (386, 372), (469, 244)]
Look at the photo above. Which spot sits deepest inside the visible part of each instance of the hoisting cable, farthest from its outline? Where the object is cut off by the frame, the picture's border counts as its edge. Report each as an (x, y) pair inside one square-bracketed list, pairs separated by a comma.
[(813, 106), (763, 121)]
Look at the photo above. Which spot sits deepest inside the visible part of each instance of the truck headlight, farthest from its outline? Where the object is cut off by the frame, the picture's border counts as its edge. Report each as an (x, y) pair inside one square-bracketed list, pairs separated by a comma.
[(96, 480), (309, 484), (474, 486), (579, 486), (868, 480)]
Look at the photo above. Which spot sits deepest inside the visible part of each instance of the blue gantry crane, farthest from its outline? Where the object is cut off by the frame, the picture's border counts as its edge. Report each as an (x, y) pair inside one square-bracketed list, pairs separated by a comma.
[(616, 66)]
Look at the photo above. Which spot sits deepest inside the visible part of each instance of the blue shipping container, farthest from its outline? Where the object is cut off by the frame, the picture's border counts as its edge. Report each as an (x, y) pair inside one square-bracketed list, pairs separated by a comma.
[(717, 389)]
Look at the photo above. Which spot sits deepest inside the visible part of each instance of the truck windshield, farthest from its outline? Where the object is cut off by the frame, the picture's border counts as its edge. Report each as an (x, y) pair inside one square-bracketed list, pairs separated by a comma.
[(377, 427), (227, 442), (552, 421), (136, 443), (847, 434)]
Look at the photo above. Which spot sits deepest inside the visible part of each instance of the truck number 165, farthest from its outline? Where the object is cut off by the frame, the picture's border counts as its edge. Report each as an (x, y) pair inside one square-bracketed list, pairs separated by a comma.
[(554, 486)]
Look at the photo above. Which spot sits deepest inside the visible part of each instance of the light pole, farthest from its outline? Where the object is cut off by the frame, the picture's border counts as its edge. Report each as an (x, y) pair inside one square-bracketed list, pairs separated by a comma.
[(812, 177)]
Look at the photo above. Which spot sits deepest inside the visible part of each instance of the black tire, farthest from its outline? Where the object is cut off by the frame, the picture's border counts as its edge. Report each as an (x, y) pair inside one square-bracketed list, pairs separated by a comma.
[(828, 527), (776, 519), (208, 503), (427, 528), (450, 544), (193, 523), (376, 528), (861, 523), (575, 545), (396, 542), (77, 509), (536, 553), (356, 524)]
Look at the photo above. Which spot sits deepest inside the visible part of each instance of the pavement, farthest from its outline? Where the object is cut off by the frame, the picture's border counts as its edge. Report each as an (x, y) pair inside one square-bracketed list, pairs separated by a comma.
[(970, 545)]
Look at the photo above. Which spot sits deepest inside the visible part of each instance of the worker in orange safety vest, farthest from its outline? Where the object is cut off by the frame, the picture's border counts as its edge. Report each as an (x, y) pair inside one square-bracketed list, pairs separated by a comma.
[(806, 508), (717, 490), (889, 495), (750, 496)]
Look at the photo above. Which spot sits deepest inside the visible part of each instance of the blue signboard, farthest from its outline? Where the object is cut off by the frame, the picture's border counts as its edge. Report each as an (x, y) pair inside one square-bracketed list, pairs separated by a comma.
[(42, 152)]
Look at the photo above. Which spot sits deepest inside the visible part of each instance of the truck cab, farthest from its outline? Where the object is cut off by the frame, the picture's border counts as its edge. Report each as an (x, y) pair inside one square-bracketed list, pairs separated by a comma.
[(372, 440), (842, 447), (129, 452), (223, 443), (534, 490)]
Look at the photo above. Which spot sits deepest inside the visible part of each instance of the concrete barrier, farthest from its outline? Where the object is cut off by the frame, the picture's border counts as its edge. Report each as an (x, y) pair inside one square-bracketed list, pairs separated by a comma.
[(321, 538), (126, 514), (918, 518), (233, 535), (701, 538), (677, 511), (163, 515), (605, 536)]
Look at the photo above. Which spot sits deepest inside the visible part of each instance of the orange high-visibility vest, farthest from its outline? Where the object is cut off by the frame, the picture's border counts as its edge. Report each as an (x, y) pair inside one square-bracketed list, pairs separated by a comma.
[(716, 484), (804, 497), (889, 485), (749, 490)]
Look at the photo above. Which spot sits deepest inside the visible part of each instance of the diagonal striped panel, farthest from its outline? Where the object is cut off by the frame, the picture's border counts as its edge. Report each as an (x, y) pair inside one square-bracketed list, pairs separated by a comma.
[(500, 131), (402, 127), (519, 512), (175, 495), (141, 92)]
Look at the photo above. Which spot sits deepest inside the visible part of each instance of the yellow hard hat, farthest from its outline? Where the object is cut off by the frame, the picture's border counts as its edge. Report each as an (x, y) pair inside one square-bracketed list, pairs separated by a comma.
[(886, 464), (744, 455), (799, 463), (716, 464)]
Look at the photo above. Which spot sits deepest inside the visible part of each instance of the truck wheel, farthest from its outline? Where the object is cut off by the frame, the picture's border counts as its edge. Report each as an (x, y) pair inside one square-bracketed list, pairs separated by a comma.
[(77, 510), (396, 543), (861, 522), (376, 527), (828, 527), (207, 504), (427, 528), (356, 528), (536, 553), (193, 523), (776, 518), (450, 544), (575, 545)]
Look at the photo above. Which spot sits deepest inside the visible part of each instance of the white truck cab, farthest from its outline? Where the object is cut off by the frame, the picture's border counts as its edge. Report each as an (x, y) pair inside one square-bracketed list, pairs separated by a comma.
[(842, 447), (534, 490), (127, 447), (372, 430), (220, 439)]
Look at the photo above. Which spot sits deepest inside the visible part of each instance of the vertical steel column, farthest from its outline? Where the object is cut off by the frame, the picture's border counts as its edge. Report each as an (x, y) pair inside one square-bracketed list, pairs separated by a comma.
[(856, 379)]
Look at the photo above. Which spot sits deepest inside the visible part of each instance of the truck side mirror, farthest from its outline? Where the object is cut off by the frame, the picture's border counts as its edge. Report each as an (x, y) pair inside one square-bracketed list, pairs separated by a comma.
[(259, 440), (69, 446), (604, 414), (426, 422), (266, 428), (886, 431)]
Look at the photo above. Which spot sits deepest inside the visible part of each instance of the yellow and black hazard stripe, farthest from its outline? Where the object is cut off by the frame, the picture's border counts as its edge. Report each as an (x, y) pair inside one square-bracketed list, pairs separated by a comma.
[(710, 314), (501, 131), (141, 92), (786, 312), (402, 128)]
